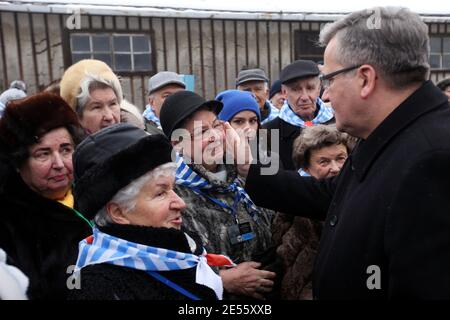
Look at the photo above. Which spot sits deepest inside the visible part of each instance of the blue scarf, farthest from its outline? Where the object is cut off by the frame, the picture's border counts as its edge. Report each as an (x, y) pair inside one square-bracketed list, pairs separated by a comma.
[(274, 112), (303, 173), (325, 114), (187, 177), (104, 248), (149, 114)]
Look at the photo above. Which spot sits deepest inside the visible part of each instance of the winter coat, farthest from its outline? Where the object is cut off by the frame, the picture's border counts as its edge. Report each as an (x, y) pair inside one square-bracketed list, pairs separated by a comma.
[(297, 241), (386, 232), (111, 282), (40, 237), (14, 283), (287, 134), (211, 222)]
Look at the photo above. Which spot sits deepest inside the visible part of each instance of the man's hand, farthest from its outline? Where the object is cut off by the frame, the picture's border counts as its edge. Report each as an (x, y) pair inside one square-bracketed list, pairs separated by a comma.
[(238, 147), (246, 279)]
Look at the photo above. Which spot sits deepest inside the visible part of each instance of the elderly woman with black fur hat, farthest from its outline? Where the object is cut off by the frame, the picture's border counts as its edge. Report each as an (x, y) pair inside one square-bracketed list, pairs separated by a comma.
[(218, 208), (38, 228), (138, 250)]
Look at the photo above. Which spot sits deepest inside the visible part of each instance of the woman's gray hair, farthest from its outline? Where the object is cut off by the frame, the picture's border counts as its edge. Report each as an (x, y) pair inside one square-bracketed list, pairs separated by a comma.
[(316, 137), (88, 84), (393, 40), (125, 198)]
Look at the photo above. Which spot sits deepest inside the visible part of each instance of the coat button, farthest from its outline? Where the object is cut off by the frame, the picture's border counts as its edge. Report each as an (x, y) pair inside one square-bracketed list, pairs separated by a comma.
[(333, 220)]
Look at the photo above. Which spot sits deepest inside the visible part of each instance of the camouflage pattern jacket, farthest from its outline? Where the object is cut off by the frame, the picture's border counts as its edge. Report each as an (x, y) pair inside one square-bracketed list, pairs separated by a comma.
[(211, 222)]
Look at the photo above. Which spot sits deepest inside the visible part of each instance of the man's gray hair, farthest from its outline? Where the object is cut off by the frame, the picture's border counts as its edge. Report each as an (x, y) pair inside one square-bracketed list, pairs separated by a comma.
[(89, 84), (393, 40), (126, 197)]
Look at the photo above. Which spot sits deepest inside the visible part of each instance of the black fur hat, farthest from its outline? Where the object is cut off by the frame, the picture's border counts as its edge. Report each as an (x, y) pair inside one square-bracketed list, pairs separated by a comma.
[(112, 158), (26, 120)]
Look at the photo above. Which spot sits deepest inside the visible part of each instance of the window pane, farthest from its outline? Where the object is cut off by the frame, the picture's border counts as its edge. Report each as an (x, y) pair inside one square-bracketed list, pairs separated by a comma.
[(435, 61), (122, 43), (435, 43), (447, 45), (140, 44), (80, 56), (80, 43), (106, 58), (100, 43), (123, 62), (306, 44), (142, 62), (446, 62)]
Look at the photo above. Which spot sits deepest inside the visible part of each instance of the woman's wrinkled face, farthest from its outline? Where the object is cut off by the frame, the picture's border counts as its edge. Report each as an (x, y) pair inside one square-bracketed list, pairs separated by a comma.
[(48, 169), (157, 205), (206, 145), (102, 110), (326, 162), (246, 121)]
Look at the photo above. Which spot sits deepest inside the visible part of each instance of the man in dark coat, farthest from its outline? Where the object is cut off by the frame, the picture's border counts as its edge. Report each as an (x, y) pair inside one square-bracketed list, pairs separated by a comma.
[(302, 108), (387, 215)]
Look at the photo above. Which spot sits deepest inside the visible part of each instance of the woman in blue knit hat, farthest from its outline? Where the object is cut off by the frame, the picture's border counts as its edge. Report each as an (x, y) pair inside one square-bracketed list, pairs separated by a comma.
[(241, 110)]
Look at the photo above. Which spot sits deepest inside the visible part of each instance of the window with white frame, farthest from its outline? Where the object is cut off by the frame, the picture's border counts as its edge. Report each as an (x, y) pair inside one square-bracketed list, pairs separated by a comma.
[(440, 52), (123, 52)]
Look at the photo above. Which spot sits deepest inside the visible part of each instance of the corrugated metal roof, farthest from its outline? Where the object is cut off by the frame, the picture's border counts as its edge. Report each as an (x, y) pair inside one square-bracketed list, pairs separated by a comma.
[(231, 9)]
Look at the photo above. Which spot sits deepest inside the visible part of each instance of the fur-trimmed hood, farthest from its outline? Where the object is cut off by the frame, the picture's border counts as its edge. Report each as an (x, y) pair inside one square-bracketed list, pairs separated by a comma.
[(110, 159)]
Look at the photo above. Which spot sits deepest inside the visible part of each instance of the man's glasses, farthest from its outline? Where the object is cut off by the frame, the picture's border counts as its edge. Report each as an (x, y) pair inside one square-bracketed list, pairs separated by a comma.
[(326, 79)]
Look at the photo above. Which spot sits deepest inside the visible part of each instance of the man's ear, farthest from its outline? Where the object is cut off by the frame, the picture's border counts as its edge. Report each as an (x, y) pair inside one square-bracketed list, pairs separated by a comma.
[(116, 213), (367, 76), (150, 100)]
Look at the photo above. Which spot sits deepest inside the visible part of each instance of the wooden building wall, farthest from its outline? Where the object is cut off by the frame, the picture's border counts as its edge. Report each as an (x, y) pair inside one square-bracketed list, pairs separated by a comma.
[(213, 50)]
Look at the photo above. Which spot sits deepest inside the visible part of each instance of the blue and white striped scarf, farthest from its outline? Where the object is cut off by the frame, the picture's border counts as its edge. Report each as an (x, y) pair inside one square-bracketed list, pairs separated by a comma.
[(187, 177), (303, 173), (325, 114), (149, 114), (112, 250), (274, 112)]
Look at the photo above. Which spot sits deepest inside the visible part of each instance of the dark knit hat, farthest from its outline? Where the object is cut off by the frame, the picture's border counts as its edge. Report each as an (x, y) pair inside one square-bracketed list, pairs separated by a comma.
[(26, 120), (179, 106), (112, 158), (299, 69), (275, 88), (235, 101)]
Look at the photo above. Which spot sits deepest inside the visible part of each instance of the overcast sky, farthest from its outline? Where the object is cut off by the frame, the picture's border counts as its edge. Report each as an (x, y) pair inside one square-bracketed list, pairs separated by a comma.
[(330, 6)]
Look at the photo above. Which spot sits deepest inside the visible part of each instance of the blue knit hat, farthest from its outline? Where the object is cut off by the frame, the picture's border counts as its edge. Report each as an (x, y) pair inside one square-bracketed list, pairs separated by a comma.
[(235, 101)]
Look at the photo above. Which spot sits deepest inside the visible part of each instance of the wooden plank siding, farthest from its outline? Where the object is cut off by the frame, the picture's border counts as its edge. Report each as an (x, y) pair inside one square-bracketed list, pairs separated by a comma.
[(34, 47)]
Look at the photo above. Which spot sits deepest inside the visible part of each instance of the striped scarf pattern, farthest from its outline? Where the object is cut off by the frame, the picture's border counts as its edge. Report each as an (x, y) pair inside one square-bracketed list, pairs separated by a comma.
[(104, 248), (274, 112), (325, 114), (303, 173), (187, 177), (149, 114)]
